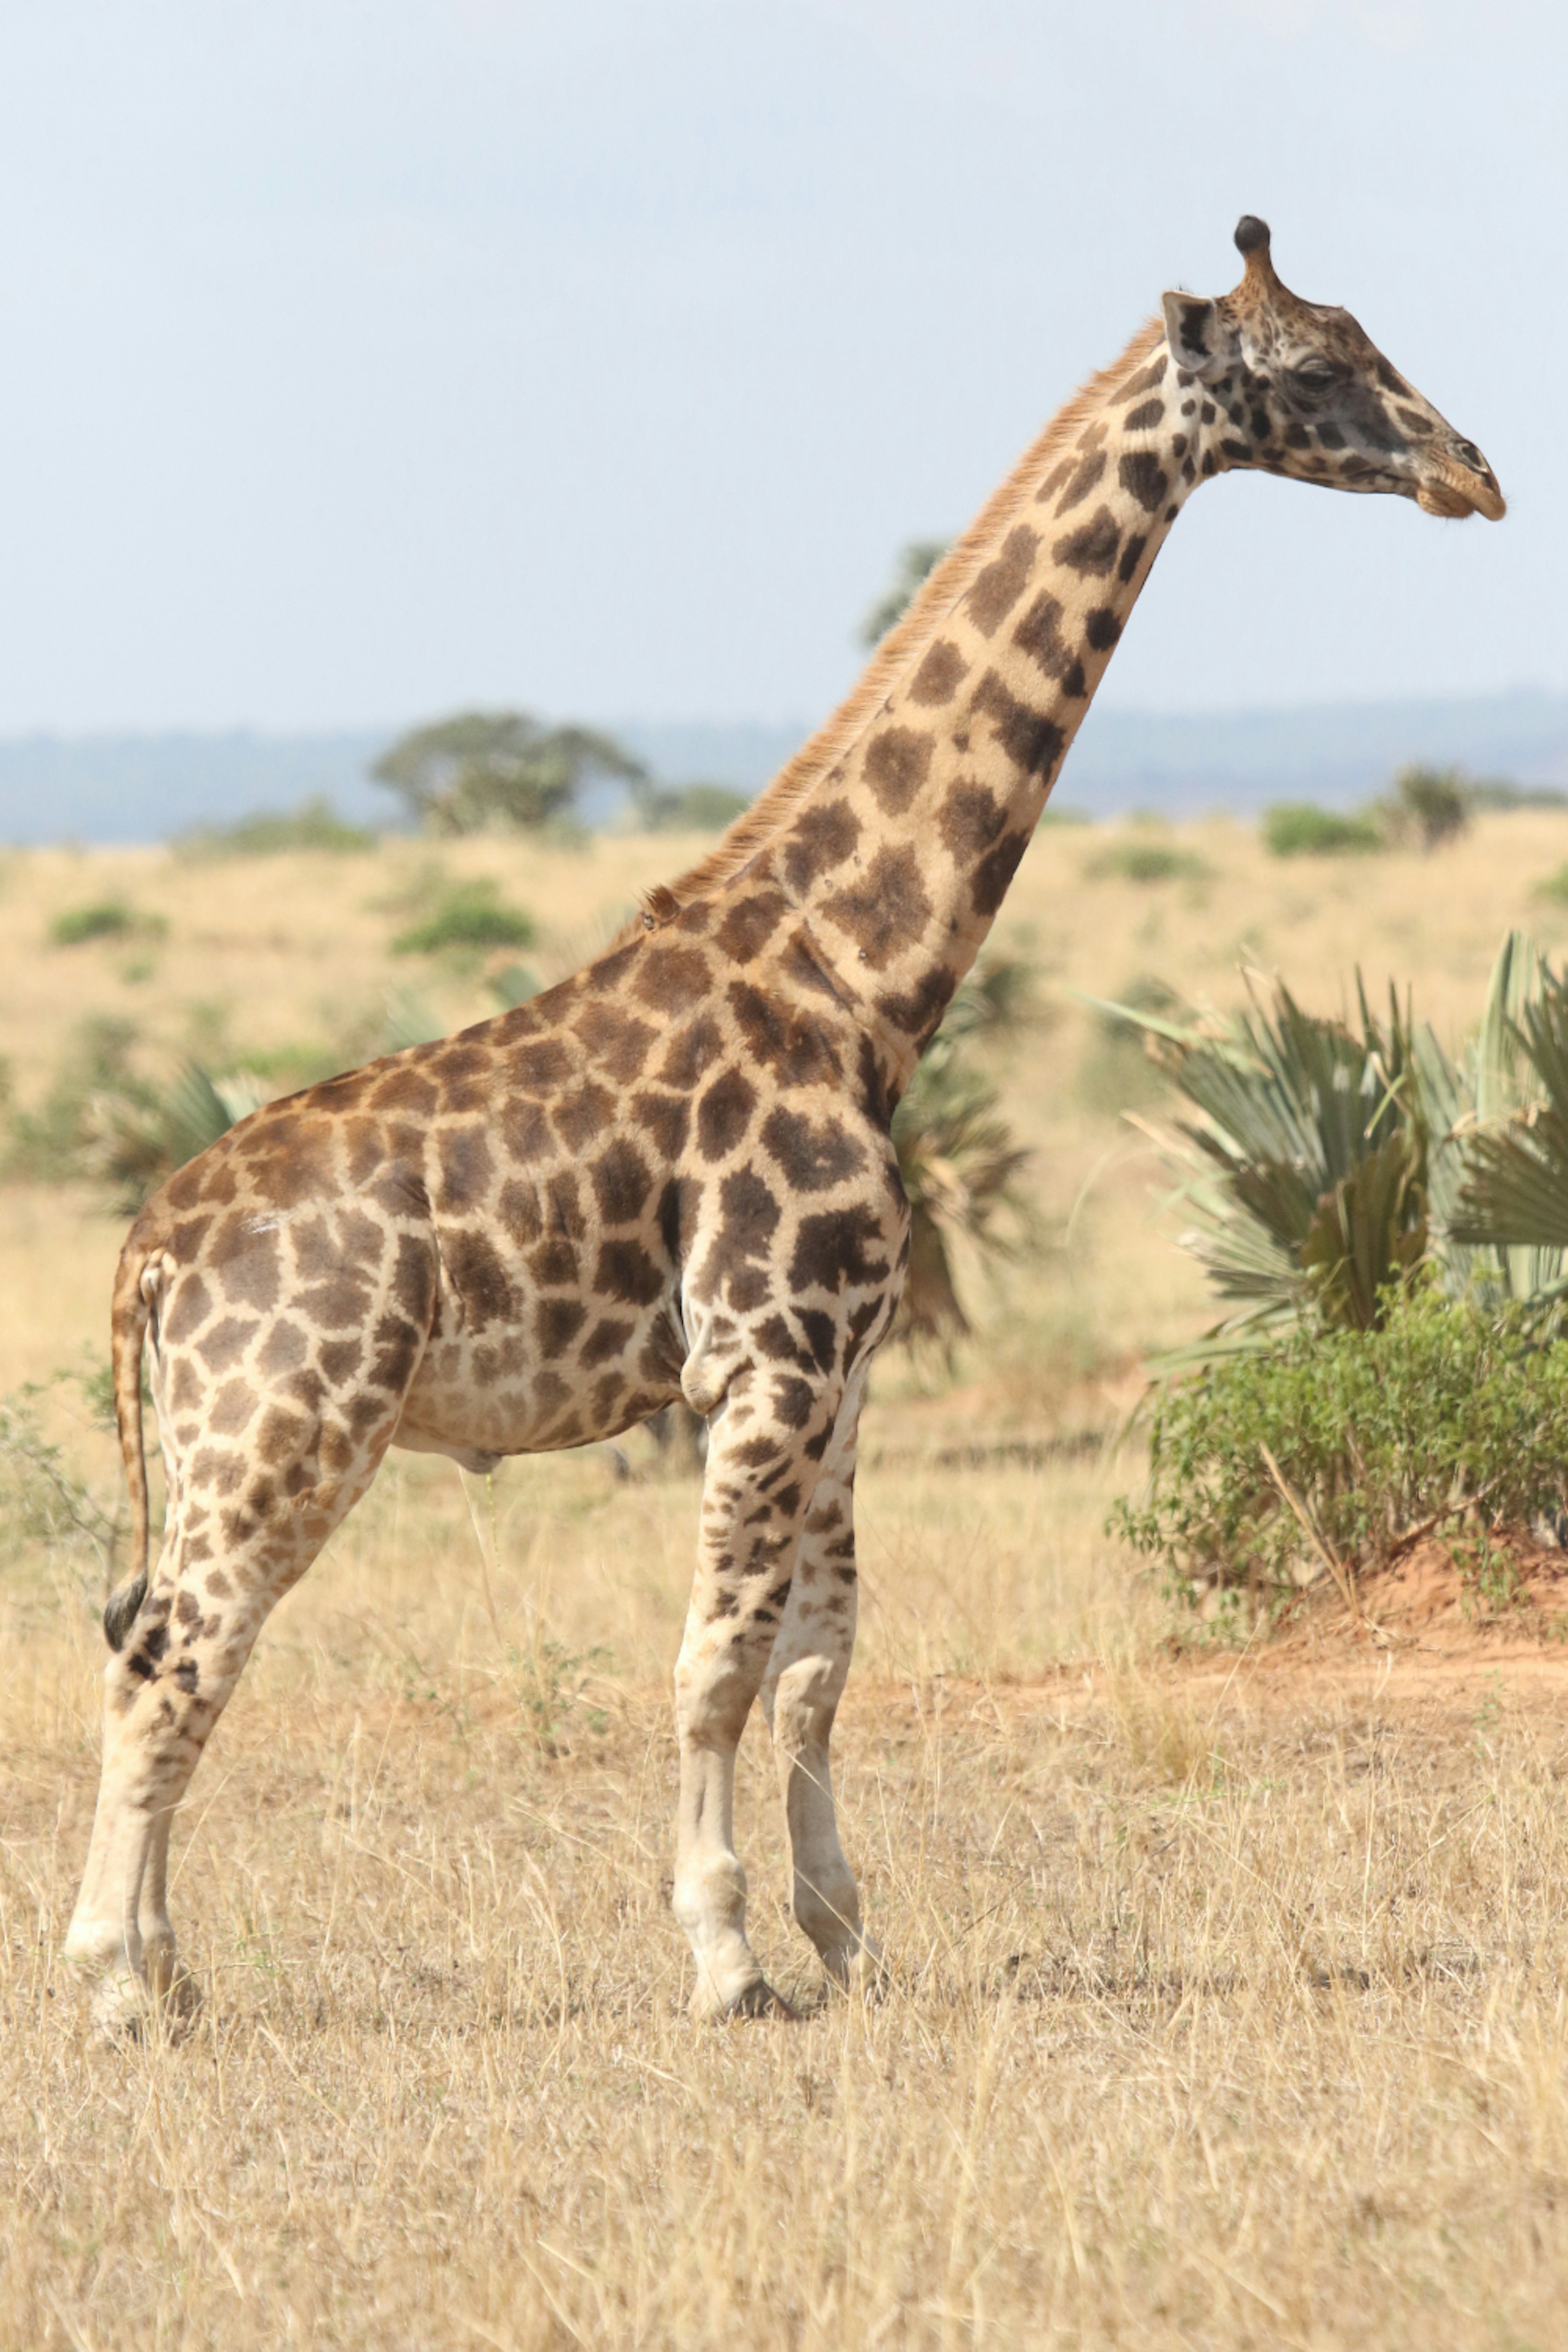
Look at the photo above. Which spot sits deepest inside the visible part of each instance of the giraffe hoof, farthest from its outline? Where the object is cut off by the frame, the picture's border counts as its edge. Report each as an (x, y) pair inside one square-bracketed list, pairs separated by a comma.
[(125, 2009), (858, 1970), (757, 1999)]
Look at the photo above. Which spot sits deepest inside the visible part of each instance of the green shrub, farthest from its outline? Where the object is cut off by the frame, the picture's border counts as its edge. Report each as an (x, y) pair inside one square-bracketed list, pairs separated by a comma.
[(1145, 860), (1301, 829), (1553, 885), (1442, 1415), (1428, 806), (691, 808), (315, 825), (468, 916), (108, 919)]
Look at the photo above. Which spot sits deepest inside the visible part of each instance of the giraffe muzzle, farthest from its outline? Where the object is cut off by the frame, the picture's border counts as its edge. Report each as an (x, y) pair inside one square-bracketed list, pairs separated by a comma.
[(1454, 486)]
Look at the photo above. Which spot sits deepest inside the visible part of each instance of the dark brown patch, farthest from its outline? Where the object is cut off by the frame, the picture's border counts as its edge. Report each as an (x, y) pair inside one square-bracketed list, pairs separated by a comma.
[(750, 924), (464, 1160), (226, 1343), (340, 1360), (897, 761), (834, 1250), (477, 1276), (972, 818), (284, 1350), (673, 978), (820, 839), (616, 1039), (405, 1087), (233, 1409), (191, 1305), (540, 1065), (917, 1011), (246, 1261), (665, 1119), (790, 1044), (996, 872), (997, 588), (621, 1180), (1040, 635), (1091, 548), (1144, 478), (940, 674), (556, 1323), (625, 1271), (605, 1342), (691, 1053), (1102, 629), (579, 1118), (723, 1114), (526, 1131), (1132, 557), (1031, 739), (398, 1348), (1084, 478), (1144, 417), (521, 1214), (413, 1279), (812, 1154), (888, 911)]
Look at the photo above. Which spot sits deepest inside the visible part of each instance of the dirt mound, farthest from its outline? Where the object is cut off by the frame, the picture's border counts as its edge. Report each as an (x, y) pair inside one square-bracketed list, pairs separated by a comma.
[(1515, 1595)]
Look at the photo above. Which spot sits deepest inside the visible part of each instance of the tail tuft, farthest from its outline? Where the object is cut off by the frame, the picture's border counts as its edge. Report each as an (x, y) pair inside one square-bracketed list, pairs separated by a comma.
[(121, 1608)]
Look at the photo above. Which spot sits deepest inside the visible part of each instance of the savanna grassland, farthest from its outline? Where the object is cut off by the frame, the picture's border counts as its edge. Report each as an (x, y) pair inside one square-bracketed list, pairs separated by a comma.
[(1227, 1998)]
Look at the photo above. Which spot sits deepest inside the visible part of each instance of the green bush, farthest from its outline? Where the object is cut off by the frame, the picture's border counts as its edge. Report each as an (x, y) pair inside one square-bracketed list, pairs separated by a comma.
[(1553, 885), (468, 916), (108, 919), (1428, 806), (689, 808), (315, 825), (1443, 1415), (1145, 860), (1302, 829)]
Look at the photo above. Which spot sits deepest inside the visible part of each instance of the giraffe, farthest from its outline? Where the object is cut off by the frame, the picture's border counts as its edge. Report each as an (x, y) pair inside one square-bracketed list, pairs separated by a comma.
[(671, 1174)]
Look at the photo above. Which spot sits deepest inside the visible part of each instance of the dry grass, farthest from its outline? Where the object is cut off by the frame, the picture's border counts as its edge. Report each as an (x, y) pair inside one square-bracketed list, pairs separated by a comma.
[(1226, 2002)]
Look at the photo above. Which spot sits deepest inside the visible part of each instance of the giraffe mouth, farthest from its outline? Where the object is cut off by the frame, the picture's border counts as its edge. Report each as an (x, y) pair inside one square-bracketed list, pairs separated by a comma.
[(1454, 491)]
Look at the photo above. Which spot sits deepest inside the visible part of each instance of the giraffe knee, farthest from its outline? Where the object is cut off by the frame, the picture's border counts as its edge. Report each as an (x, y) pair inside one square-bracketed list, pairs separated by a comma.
[(805, 1701)]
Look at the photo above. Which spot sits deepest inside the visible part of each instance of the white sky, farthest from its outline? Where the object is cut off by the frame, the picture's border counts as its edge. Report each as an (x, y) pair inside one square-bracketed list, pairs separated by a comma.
[(363, 358)]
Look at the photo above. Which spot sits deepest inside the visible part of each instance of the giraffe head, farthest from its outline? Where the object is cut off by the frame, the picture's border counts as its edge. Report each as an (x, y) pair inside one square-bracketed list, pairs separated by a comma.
[(1300, 388)]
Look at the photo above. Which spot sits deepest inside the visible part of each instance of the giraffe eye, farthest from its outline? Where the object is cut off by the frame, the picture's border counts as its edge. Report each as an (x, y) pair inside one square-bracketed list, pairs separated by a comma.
[(1314, 376)]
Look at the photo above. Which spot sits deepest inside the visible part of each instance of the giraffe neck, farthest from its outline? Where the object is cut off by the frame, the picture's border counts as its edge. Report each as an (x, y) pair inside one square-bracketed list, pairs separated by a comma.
[(903, 848)]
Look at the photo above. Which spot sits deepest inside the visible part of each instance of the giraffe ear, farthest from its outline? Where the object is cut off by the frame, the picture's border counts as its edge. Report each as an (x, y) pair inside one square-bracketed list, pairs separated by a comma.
[(1197, 334)]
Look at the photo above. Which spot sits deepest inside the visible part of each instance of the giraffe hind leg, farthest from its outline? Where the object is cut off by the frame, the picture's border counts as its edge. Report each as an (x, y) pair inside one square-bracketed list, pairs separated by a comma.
[(760, 1470), (805, 1681), (272, 1466)]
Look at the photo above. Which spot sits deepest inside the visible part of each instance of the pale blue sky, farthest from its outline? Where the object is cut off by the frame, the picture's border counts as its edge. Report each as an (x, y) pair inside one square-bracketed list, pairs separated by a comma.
[(368, 357)]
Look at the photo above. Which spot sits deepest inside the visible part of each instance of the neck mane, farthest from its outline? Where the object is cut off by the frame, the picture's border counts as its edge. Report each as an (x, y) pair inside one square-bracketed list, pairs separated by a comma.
[(901, 649), (883, 850)]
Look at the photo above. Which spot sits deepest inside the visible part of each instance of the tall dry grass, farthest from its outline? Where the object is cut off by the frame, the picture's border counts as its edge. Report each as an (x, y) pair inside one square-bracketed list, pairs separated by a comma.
[(1226, 2003)]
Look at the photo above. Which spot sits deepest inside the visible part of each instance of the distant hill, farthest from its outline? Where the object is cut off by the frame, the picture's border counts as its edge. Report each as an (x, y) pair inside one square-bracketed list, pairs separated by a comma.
[(109, 788)]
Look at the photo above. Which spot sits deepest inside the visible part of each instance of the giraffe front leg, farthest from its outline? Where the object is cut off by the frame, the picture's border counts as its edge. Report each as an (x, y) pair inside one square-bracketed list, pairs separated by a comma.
[(764, 1448), (803, 1683)]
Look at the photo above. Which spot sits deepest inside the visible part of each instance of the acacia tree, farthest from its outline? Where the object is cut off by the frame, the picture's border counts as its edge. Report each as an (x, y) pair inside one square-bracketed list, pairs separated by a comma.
[(498, 771)]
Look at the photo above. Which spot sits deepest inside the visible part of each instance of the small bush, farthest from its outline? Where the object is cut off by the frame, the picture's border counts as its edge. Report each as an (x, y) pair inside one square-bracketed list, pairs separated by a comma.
[(1302, 829), (1428, 806), (315, 825), (109, 918), (690, 808), (1145, 860), (469, 916), (1554, 886), (1443, 1415)]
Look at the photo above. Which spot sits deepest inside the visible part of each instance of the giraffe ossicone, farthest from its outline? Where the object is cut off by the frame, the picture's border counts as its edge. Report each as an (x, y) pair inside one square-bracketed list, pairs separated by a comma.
[(672, 1173)]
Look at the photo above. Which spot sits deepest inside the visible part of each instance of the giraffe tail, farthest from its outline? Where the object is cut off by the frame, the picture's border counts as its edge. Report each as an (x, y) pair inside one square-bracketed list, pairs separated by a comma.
[(128, 1330)]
